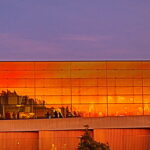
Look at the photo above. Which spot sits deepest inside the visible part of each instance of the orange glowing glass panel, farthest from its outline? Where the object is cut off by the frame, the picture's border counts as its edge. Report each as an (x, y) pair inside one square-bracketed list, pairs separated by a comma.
[(93, 89)]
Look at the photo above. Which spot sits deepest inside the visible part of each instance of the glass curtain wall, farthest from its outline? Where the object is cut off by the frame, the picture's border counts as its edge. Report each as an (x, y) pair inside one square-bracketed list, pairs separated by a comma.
[(74, 89)]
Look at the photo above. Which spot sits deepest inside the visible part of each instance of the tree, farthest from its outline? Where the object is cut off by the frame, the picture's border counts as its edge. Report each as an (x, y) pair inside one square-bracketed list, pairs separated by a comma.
[(88, 143)]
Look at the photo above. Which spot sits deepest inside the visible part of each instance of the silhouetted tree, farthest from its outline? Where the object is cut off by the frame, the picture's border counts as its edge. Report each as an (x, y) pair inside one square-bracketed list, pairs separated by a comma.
[(88, 143)]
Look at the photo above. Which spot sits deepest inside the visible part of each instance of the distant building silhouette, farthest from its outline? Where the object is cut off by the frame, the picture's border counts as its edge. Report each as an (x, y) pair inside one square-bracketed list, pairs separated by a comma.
[(13, 106)]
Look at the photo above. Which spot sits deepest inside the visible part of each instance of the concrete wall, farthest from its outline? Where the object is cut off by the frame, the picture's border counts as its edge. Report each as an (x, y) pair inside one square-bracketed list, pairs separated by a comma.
[(19, 141), (75, 123), (118, 139), (59, 140), (124, 139), (123, 133)]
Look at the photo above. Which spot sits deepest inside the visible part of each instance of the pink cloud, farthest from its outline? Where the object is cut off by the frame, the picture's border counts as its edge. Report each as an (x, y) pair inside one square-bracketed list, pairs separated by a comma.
[(85, 38), (17, 42)]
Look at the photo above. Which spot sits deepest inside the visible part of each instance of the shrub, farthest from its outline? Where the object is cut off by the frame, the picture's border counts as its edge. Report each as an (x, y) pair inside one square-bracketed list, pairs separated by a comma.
[(88, 143)]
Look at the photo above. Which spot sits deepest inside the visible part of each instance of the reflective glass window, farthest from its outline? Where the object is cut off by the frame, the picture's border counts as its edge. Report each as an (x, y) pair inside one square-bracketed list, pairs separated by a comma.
[(52, 66), (146, 74), (124, 90), (124, 82), (125, 109), (102, 82), (146, 98), (17, 66), (91, 110), (102, 91), (146, 82), (16, 74), (138, 90), (146, 90), (128, 65), (88, 88), (111, 82), (146, 109), (146, 65), (121, 99), (52, 74), (88, 91), (138, 82), (88, 65)]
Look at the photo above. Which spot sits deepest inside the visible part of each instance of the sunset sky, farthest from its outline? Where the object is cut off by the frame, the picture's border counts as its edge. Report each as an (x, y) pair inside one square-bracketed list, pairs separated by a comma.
[(74, 29)]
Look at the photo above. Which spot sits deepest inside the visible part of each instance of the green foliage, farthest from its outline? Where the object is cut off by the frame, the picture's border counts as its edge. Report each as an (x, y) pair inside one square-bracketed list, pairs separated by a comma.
[(88, 143)]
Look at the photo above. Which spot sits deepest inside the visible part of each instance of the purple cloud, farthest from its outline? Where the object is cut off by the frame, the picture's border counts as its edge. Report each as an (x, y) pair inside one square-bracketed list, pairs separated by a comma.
[(74, 30)]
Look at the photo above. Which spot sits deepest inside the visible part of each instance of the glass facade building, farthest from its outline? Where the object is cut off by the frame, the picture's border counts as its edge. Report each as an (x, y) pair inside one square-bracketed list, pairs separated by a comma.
[(79, 89)]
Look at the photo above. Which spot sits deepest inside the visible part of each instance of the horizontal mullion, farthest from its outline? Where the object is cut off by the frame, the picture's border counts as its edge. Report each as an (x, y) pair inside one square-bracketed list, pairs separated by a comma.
[(73, 104), (37, 87), (77, 69), (88, 95), (71, 78)]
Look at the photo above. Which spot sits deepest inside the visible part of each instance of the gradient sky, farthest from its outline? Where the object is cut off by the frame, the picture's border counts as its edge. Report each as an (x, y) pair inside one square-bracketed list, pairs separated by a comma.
[(74, 29)]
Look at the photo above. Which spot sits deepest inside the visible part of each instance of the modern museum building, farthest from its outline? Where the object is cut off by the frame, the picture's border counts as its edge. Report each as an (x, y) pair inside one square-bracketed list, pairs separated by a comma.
[(44, 105)]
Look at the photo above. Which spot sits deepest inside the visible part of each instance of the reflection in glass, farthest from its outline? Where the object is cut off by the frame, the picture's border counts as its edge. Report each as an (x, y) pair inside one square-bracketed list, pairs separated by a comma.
[(71, 89)]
